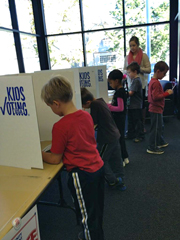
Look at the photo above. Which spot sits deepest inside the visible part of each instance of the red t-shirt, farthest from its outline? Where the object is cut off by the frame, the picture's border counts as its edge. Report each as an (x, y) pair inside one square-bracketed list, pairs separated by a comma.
[(73, 136), (156, 96)]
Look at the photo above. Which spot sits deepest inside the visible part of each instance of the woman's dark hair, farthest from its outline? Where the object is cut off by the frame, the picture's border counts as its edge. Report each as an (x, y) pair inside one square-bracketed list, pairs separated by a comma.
[(135, 39), (115, 74)]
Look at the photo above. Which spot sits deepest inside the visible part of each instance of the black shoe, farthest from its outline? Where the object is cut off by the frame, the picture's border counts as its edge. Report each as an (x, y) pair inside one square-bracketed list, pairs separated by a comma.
[(163, 145), (119, 184), (155, 151)]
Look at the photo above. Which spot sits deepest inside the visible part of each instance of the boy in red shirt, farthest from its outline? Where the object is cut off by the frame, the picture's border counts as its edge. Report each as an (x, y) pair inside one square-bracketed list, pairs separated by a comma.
[(74, 143), (156, 101)]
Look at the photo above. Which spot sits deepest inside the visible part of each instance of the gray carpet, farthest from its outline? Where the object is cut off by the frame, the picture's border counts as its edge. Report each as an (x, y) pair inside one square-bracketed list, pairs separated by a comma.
[(148, 210)]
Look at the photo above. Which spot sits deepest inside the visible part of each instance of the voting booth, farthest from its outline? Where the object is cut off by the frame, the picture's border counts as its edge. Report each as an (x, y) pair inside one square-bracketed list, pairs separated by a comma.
[(26, 120)]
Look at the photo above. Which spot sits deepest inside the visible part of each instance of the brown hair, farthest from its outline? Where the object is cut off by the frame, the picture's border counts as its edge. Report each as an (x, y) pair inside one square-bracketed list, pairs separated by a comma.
[(86, 95), (161, 66)]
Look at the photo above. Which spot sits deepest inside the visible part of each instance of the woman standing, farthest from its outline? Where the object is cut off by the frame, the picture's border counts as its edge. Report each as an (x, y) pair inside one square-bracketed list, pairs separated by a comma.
[(136, 54)]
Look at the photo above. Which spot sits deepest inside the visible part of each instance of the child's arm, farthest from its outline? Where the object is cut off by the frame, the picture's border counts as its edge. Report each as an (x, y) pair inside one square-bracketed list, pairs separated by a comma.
[(119, 107), (156, 95), (51, 158)]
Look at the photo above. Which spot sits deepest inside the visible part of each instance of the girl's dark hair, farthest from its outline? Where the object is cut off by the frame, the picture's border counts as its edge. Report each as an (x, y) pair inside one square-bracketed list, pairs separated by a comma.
[(161, 66), (134, 66), (135, 39), (115, 74), (86, 95)]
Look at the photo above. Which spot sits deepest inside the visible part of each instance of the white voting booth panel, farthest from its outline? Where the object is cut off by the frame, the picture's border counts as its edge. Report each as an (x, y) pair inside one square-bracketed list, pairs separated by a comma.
[(101, 78), (46, 118), (19, 134), (94, 79), (88, 79)]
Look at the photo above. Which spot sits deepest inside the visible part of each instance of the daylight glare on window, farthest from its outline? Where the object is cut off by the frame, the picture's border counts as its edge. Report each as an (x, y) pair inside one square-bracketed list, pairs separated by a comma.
[(102, 14), (62, 16)]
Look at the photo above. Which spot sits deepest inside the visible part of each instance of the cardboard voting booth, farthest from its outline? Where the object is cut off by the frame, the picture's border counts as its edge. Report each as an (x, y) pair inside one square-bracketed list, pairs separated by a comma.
[(46, 118), (25, 118), (19, 135), (101, 78), (94, 78)]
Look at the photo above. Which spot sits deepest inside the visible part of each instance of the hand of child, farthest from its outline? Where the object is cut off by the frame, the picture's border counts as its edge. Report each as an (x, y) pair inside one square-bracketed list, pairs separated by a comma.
[(170, 91)]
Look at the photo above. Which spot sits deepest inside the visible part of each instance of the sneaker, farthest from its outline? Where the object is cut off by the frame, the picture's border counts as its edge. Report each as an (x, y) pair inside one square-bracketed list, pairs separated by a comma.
[(136, 140), (155, 151), (81, 236), (163, 145), (126, 161), (119, 184), (124, 164)]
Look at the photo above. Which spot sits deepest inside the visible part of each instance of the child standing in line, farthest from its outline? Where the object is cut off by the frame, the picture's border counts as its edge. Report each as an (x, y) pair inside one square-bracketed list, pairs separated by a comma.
[(156, 101), (118, 108), (135, 123), (73, 143), (107, 139)]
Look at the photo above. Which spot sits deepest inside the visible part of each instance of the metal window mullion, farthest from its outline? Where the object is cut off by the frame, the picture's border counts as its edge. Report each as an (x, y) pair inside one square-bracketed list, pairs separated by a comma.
[(17, 39), (173, 38), (42, 44), (82, 29), (124, 27)]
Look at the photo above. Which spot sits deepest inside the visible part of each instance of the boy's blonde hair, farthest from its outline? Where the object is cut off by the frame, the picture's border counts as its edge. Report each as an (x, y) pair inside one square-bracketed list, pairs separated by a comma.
[(57, 88)]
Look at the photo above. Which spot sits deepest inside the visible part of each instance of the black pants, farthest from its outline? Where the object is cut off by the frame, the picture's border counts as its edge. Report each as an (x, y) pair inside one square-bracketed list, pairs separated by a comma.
[(87, 190), (113, 165), (135, 124), (120, 123)]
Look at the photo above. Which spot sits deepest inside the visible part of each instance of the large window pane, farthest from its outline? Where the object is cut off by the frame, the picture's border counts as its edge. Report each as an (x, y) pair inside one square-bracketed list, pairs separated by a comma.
[(25, 15), (30, 53), (62, 16), (102, 14), (146, 11), (66, 51), (105, 48), (8, 59), (159, 11), (154, 41), (5, 18)]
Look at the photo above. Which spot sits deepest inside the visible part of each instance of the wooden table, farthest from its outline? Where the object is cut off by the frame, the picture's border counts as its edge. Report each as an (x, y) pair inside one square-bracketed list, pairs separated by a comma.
[(20, 189)]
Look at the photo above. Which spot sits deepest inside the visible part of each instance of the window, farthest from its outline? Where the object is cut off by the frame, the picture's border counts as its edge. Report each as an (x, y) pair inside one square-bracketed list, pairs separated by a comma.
[(105, 47), (102, 14), (8, 60), (62, 16), (30, 53), (25, 16), (140, 12), (66, 51), (5, 18)]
